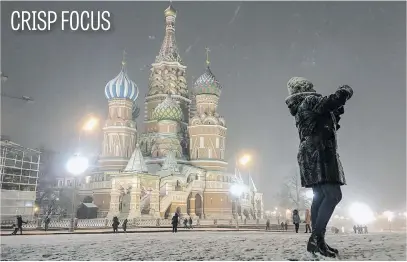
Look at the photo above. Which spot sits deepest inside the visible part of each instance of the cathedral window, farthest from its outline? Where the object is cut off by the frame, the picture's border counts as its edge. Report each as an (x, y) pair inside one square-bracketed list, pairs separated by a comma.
[(209, 153), (217, 142), (201, 142)]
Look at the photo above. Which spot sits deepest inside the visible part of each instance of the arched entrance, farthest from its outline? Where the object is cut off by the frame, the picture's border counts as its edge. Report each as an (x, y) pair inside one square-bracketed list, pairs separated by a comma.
[(198, 205)]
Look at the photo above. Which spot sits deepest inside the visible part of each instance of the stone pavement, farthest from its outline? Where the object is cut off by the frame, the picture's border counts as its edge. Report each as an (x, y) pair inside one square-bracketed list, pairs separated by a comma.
[(130, 230)]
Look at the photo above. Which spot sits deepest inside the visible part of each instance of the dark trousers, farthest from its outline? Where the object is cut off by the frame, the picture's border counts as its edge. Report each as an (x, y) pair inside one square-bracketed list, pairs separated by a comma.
[(307, 228), (174, 228), (326, 197), (297, 226)]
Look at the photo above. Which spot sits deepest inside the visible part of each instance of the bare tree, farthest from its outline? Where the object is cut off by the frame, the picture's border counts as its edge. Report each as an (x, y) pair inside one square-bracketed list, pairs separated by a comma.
[(292, 195)]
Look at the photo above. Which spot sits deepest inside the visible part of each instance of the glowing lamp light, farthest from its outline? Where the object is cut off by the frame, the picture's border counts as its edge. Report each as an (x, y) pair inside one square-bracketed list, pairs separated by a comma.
[(244, 160), (309, 194), (77, 165), (361, 213), (91, 124)]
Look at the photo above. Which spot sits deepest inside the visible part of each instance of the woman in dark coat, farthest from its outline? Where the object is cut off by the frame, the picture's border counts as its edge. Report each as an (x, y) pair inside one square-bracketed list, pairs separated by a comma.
[(316, 118)]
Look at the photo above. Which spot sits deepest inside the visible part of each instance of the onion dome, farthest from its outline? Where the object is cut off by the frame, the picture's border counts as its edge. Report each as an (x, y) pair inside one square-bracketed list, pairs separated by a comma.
[(207, 84), (170, 11), (121, 86), (168, 110)]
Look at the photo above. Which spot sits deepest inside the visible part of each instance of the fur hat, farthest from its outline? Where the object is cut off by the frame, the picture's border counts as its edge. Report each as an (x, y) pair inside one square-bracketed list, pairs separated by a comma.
[(298, 85)]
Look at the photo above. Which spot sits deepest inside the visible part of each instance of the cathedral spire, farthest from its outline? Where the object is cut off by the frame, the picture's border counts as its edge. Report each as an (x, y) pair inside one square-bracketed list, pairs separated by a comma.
[(169, 50), (136, 163)]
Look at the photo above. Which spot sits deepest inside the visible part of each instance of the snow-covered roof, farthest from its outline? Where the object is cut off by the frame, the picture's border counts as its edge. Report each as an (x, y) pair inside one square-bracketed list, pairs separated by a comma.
[(90, 205), (136, 163)]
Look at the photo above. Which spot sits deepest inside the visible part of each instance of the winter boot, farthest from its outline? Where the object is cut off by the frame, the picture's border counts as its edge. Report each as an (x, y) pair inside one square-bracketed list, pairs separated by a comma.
[(334, 250), (316, 244)]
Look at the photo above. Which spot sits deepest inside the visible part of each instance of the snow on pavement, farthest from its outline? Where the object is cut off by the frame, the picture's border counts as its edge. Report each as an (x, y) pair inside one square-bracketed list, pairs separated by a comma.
[(258, 245)]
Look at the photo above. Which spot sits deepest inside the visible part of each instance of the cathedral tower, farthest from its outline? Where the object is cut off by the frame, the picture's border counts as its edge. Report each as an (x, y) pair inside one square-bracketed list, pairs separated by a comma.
[(119, 131), (167, 77), (207, 129)]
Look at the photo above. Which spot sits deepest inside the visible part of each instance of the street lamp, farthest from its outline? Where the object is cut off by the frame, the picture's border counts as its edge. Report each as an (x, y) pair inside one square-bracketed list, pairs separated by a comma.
[(77, 164), (244, 160)]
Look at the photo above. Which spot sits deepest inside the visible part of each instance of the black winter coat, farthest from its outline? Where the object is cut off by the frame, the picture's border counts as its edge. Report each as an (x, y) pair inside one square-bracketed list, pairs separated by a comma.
[(316, 118)]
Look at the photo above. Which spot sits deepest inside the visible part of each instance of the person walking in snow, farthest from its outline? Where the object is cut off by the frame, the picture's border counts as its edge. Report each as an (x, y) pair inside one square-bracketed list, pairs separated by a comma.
[(46, 223), (354, 228), (268, 224), (186, 223), (317, 118), (307, 221), (20, 223), (190, 222), (286, 225), (296, 220), (174, 223), (115, 224), (124, 225)]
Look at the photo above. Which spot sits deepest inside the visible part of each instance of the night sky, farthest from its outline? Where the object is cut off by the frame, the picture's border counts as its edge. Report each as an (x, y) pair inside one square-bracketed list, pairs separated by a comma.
[(255, 48)]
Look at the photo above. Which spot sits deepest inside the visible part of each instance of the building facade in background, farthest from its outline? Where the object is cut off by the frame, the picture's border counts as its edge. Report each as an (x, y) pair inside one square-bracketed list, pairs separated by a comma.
[(19, 168), (177, 164)]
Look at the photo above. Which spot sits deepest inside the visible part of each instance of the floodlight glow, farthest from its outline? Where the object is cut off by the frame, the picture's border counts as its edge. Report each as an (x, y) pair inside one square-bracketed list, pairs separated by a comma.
[(389, 215), (361, 213), (91, 124), (237, 189), (309, 194), (244, 160), (77, 165)]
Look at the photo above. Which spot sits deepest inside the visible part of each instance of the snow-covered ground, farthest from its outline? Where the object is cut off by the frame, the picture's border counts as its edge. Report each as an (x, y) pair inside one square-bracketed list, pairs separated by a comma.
[(241, 245)]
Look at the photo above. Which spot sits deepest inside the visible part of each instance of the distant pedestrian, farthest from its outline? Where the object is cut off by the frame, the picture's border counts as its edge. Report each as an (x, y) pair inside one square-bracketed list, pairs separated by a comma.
[(20, 223), (174, 223), (46, 223), (282, 226), (296, 220), (115, 224), (308, 221), (286, 225), (124, 225), (190, 222), (354, 228), (268, 224), (185, 223)]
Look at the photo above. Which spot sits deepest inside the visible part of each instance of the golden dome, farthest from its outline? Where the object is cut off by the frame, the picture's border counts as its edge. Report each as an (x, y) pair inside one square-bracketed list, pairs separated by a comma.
[(170, 11)]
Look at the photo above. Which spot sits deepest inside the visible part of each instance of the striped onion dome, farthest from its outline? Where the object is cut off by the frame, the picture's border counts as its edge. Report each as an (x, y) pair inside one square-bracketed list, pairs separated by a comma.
[(121, 86), (207, 84), (168, 110)]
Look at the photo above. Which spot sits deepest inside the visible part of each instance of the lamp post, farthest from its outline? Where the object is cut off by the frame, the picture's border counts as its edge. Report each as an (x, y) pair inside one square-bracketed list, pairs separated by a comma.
[(78, 164)]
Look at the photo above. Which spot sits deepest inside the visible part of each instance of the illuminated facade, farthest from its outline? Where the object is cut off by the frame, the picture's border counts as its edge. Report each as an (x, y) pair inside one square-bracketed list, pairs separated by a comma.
[(177, 163)]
